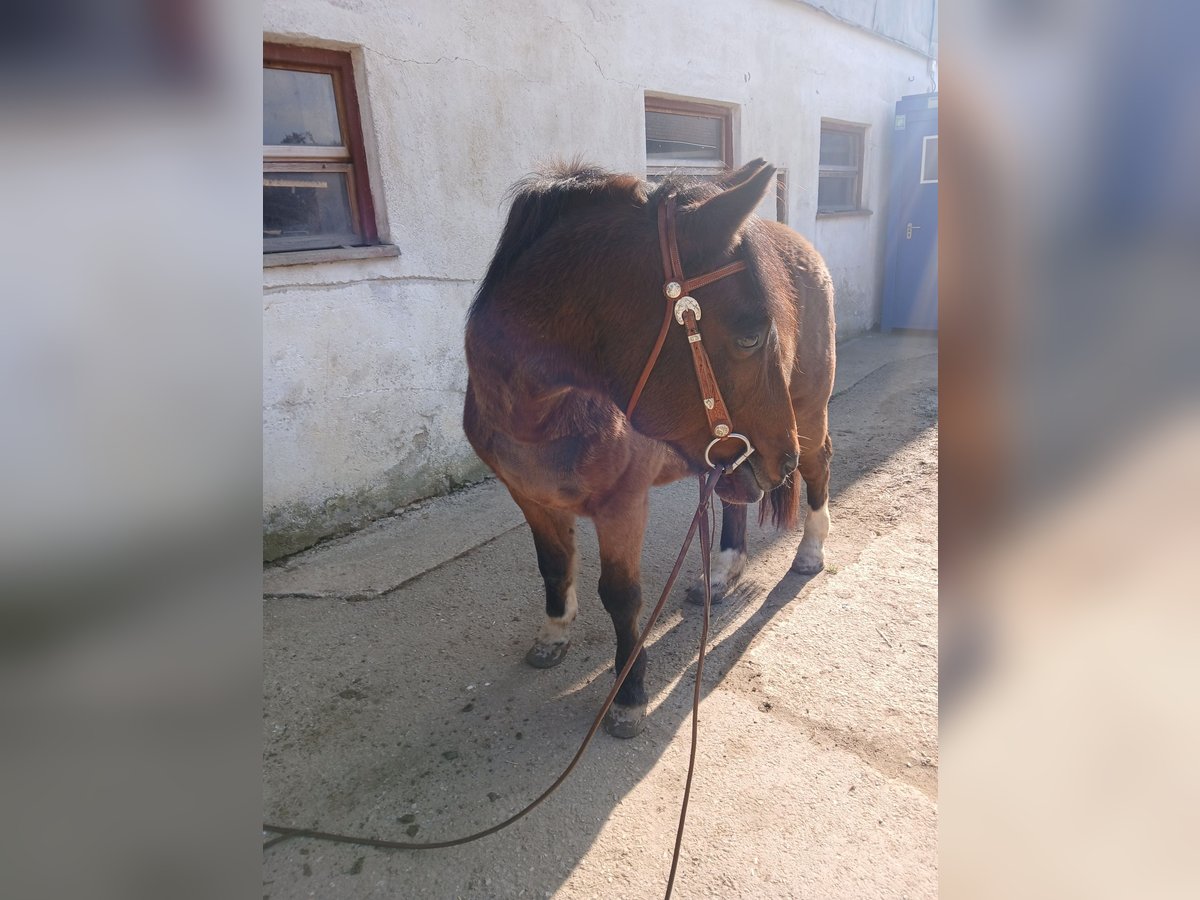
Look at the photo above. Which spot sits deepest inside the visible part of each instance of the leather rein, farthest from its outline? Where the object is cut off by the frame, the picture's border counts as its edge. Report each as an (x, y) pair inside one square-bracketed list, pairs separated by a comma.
[(700, 523), (685, 309)]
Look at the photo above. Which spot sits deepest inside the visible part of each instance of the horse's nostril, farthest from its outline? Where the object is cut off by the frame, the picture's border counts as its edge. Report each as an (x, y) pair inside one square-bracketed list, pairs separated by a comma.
[(790, 462)]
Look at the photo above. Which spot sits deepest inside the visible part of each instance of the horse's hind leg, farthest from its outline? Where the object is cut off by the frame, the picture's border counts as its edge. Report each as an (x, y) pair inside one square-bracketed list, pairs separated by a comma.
[(620, 527), (554, 538), (730, 563), (814, 466)]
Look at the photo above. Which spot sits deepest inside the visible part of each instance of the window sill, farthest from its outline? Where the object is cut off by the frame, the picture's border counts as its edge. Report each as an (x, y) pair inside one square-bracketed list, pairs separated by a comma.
[(843, 213), (332, 254)]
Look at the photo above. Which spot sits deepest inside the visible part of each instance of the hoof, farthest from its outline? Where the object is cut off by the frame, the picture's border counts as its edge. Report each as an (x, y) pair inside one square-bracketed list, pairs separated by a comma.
[(695, 594), (547, 656), (727, 568), (808, 561), (625, 721)]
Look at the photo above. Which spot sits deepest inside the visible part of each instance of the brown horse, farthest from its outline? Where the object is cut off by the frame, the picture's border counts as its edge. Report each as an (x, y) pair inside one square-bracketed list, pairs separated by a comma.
[(559, 332)]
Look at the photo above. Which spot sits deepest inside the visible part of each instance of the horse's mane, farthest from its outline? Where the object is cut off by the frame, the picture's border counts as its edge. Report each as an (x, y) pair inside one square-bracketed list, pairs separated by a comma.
[(687, 189), (563, 187), (541, 199)]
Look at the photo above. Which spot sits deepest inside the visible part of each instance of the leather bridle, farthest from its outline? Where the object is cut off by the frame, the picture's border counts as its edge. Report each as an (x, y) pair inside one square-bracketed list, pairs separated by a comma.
[(686, 311)]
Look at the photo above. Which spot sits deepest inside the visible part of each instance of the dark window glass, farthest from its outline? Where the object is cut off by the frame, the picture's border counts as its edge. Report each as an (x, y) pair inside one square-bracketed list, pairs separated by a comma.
[(838, 148), (299, 109), (678, 136), (302, 210), (836, 193)]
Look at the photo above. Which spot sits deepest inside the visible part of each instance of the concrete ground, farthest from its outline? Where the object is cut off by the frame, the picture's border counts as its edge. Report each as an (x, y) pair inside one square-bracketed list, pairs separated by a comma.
[(397, 702)]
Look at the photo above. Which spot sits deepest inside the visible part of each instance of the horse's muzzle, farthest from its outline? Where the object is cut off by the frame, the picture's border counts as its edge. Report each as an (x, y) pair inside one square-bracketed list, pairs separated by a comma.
[(741, 485), (791, 462)]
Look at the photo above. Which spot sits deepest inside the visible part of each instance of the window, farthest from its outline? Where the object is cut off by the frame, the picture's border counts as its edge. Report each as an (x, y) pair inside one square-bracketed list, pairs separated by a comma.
[(929, 148), (315, 190), (781, 197), (683, 136), (839, 186)]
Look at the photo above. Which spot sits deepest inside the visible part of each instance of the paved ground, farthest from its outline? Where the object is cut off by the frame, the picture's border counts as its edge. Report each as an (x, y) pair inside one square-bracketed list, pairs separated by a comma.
[(397, 703)]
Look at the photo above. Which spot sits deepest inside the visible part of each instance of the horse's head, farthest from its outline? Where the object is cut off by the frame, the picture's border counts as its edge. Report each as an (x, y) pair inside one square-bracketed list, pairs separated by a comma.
[(748, 324)]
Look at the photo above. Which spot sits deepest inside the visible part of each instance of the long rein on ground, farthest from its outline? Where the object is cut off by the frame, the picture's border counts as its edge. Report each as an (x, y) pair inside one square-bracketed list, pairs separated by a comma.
[(686, 311)]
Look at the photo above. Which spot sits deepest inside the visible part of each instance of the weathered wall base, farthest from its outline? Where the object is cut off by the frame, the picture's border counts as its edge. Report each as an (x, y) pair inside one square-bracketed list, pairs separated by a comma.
[(293, 527)]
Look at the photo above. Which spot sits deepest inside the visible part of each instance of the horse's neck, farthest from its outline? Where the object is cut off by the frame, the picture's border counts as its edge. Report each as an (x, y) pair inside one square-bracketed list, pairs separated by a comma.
[(547, 379), (522, 396), (557, 344)]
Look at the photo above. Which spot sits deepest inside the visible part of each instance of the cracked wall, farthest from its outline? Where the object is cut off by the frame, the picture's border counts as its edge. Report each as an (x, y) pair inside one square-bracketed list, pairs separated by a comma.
[(363, 371)]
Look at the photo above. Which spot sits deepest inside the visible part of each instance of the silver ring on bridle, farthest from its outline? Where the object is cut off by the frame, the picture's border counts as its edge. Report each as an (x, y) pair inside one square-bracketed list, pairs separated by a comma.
[(729, 467)]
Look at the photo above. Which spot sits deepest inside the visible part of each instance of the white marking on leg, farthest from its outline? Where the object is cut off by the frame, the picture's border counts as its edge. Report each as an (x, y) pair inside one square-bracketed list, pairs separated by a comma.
[(810, 555), (727, 569), (558, 630)]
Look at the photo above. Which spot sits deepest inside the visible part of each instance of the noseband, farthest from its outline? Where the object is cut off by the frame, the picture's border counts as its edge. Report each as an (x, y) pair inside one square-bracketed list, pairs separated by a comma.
[(686, 311)]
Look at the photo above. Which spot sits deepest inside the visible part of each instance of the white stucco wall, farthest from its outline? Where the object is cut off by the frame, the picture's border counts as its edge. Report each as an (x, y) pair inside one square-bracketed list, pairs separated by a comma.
[(363, 364)]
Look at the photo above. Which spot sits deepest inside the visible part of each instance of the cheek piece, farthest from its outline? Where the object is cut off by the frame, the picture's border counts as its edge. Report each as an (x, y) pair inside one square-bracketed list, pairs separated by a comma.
[(685, 310)]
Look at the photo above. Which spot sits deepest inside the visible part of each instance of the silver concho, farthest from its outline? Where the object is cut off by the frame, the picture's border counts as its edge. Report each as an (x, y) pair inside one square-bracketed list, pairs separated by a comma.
[(683, 304), (672, 289)]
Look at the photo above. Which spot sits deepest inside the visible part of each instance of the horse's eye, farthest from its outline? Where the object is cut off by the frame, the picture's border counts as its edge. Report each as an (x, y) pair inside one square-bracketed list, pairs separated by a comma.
[(749, 341)]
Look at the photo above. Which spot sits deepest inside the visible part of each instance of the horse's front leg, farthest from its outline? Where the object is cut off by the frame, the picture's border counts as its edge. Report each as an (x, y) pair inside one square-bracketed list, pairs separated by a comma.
[(554, 537), (814, 466), (620, 528), (730, 563)]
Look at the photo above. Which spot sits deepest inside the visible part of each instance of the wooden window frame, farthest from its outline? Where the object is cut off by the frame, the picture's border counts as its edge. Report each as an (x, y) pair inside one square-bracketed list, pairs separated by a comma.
[(781, 196), (350, 158), (694, 108), (860, 136)]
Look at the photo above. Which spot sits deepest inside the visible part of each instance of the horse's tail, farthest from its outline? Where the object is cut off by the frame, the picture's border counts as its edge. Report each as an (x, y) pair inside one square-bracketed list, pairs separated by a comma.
[(783, 503), (540, 200)]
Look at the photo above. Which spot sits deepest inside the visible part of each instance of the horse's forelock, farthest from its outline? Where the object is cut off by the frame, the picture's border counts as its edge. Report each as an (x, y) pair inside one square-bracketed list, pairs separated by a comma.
[(687, 190), (692, 190)]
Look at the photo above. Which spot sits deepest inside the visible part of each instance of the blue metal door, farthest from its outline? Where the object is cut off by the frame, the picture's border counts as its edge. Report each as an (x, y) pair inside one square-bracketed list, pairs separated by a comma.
[(911, 276)]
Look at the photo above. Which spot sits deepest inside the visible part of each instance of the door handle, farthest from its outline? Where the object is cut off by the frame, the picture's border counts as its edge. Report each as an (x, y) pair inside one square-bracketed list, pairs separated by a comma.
[(909, 231)]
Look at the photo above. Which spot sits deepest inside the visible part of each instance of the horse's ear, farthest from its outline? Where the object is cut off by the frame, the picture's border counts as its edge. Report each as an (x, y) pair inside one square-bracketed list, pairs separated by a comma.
[(713, 226), (737, 176)]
